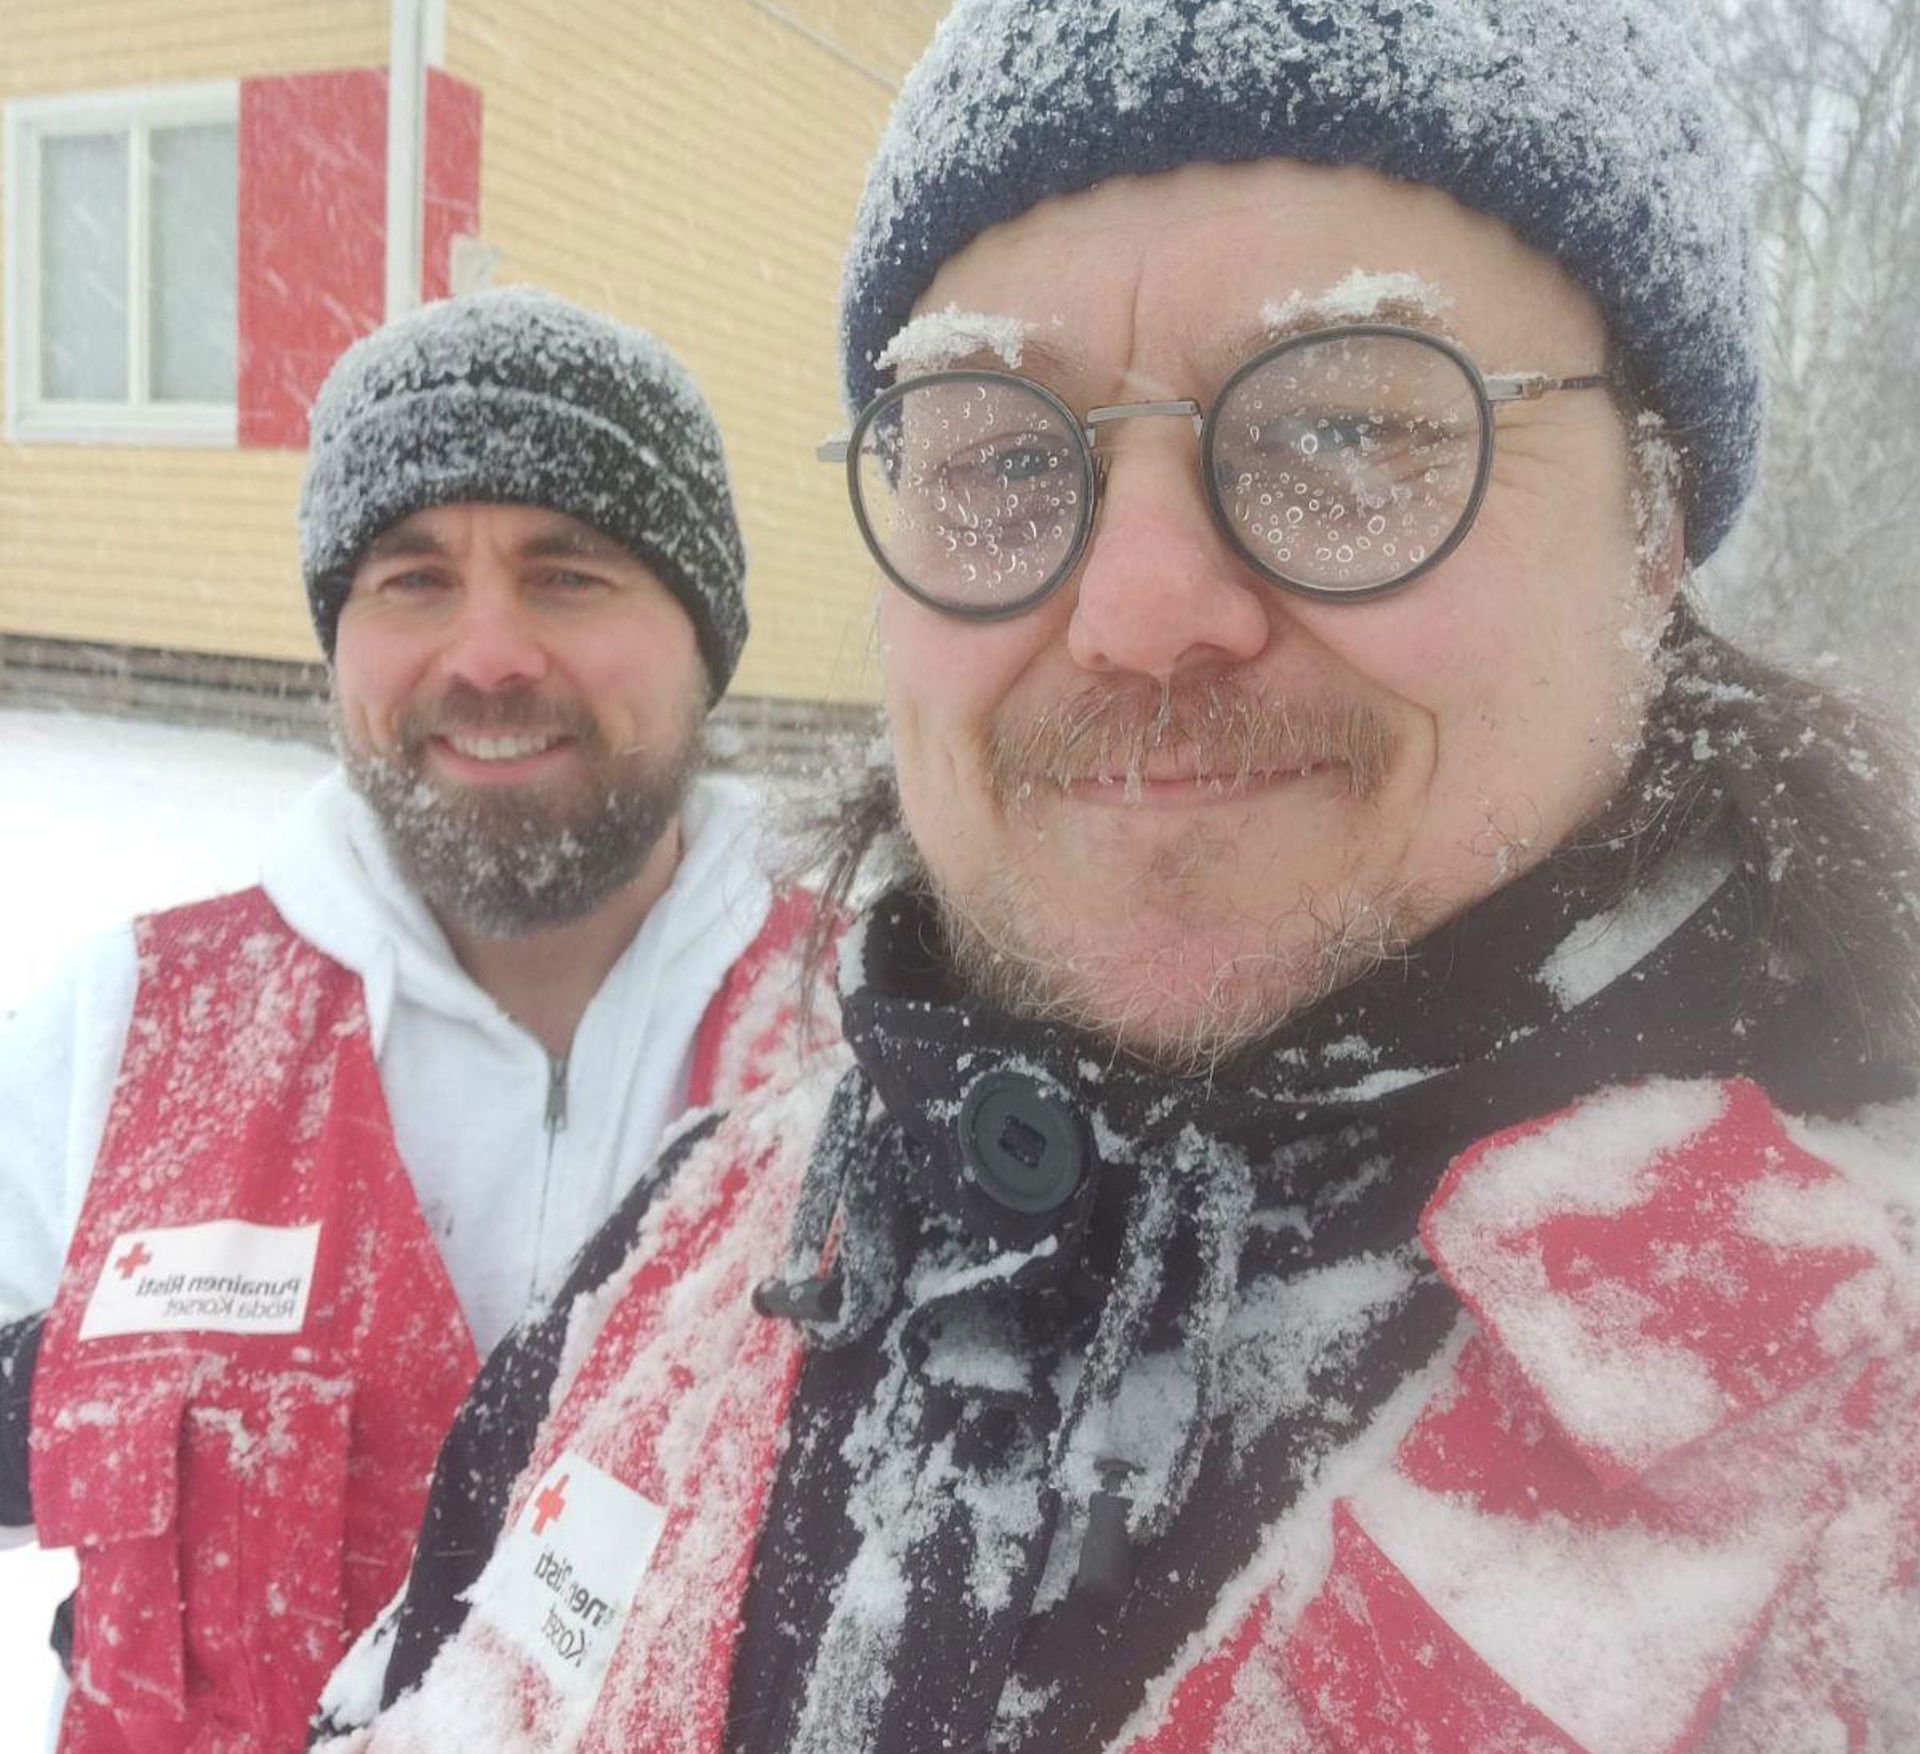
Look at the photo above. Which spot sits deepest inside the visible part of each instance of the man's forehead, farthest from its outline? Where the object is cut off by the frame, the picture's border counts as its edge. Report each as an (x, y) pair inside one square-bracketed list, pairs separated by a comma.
[(1055, 350)]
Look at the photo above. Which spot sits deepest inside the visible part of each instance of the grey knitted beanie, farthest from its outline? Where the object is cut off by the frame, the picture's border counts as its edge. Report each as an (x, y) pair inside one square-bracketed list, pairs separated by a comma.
[(1588, 126), (515, 396)]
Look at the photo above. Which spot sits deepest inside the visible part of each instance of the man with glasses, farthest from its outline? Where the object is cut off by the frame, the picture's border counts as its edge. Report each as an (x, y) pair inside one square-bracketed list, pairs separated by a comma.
[(1311, 1253), (1341, 462)]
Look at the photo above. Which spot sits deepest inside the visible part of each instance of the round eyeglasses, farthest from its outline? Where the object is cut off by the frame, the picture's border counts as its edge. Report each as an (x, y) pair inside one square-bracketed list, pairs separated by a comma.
[(1340, 463)]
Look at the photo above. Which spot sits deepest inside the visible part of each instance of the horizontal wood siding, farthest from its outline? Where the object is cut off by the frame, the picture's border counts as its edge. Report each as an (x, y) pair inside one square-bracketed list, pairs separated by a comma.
[(186, 550)]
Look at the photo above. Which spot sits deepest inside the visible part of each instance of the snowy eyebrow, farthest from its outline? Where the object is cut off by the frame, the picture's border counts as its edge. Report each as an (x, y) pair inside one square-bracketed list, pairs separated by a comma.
[(1361, 297), (940, 340)]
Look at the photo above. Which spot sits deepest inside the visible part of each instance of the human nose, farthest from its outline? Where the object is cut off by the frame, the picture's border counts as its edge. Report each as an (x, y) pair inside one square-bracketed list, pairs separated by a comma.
[(494, 640), (1159, 590)]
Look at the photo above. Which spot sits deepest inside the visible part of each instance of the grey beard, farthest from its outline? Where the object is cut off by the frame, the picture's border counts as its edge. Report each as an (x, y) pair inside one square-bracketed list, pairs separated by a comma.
[(996, 964), (509, 867)]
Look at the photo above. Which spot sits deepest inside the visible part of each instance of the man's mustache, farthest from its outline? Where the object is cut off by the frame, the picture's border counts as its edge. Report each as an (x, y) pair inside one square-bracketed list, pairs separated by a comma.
[(466, 710), (1220, 731)]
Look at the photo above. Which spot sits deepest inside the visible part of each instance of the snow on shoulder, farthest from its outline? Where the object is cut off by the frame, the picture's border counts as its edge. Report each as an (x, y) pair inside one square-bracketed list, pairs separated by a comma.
[(1662, 1260)]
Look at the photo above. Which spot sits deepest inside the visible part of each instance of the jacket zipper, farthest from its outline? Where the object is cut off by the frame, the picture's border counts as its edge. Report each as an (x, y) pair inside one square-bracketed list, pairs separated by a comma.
[(556, 1123), (556, 1095)]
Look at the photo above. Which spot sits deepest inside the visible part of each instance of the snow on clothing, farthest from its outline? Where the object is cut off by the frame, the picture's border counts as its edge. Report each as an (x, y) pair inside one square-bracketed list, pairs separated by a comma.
[(181, 1497), (515, 1160), (170, 1445), (1360, 1467), (241, 1479)]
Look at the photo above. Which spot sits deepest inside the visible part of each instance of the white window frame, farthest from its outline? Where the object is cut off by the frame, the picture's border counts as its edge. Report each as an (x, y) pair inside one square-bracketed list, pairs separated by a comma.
[(138, 111)]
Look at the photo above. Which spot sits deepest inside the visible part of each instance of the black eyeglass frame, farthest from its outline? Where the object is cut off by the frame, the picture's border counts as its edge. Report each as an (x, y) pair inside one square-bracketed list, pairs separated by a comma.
[(1489, 392)]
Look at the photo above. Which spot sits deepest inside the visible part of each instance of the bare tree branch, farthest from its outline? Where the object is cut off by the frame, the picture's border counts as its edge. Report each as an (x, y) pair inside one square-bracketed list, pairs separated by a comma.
[(1826, 98)]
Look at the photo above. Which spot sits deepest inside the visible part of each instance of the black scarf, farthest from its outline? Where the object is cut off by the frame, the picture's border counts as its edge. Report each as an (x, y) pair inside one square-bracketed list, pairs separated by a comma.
[(1030, 1447)]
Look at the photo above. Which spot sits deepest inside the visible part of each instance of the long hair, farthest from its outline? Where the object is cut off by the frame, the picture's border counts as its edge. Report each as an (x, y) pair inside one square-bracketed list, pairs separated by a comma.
[(1819, 792)]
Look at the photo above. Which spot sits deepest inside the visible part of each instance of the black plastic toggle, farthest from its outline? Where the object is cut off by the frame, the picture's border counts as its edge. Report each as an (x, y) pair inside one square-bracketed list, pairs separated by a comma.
[(1105, 1572), (798, 1300), (1022, 1147)]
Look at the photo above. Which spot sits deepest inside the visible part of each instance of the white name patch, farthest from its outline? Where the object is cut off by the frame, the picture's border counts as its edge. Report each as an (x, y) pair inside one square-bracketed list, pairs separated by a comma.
[(562, 1579), (225, 1277)]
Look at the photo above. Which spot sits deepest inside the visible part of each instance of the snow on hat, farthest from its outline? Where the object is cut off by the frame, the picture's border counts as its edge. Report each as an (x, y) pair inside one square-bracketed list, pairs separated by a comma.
[(1590, 127), (515, 396)]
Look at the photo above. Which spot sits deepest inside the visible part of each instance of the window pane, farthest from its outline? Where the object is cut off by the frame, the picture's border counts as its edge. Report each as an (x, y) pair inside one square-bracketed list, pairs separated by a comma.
[(83, 268), (193, 263)]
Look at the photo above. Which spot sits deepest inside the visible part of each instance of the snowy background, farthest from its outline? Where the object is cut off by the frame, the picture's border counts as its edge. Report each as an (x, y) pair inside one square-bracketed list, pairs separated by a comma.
[(99, 820)]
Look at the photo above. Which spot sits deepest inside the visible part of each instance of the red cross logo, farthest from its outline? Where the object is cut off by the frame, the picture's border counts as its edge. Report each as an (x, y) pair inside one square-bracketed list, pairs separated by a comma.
[(551, 1502), (133, 1260)]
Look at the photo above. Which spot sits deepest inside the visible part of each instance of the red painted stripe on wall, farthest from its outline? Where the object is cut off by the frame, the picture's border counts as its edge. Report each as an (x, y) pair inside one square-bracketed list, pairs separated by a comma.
[(313, 190), (313, 227)]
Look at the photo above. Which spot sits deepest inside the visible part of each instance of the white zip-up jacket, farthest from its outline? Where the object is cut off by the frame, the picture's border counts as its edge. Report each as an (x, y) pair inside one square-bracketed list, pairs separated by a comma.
[(516, 1158)]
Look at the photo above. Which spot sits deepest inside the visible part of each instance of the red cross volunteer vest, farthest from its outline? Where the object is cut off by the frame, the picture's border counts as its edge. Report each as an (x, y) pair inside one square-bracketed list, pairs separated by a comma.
[(253, 1354), (255, 1350)]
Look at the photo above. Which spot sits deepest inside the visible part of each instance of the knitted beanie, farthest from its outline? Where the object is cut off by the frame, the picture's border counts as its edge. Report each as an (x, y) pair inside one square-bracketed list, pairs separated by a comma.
[(515, 396), (1590, 127)]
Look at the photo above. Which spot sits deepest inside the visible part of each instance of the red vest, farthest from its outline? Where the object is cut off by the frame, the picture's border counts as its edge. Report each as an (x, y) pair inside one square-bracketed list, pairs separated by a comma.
[(255, 1349), (1607, 1521)]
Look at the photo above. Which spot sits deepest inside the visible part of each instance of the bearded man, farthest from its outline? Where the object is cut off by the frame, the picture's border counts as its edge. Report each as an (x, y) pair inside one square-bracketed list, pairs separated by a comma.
[(308, 1150), (1364, 1215)]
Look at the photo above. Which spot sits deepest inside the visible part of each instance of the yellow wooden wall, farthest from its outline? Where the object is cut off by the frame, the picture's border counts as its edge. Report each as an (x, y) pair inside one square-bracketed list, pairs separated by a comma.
[(691, 165), (157, 545)]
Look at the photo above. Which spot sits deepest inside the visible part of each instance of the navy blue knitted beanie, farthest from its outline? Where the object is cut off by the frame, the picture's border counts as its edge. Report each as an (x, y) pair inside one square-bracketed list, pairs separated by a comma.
[(521, 398), (1590, 127)]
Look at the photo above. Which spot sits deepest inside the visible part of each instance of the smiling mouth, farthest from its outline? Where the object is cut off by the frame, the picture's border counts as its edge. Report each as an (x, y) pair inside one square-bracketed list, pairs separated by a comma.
[(518, 747)]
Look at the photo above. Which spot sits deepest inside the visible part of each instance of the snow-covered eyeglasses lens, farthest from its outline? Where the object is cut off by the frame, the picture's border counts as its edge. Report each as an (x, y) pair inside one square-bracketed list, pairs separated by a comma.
[(1340, 463)]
